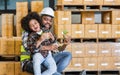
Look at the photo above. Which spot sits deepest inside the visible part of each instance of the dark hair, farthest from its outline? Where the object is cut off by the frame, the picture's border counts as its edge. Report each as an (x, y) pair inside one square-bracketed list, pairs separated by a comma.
[(25, 20)]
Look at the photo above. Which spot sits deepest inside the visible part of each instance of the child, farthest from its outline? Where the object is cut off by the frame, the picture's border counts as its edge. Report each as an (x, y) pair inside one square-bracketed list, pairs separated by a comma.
[(36, 41)]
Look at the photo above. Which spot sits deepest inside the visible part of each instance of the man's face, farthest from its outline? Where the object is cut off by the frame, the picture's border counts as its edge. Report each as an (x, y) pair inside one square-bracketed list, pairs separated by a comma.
[(47, 21)]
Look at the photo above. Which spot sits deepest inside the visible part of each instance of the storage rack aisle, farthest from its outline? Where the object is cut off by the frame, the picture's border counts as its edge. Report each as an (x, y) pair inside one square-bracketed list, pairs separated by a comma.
[(94, 28)]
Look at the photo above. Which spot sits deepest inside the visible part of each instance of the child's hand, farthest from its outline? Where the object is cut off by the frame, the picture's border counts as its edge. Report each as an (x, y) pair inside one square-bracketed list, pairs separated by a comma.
[(44, 36)]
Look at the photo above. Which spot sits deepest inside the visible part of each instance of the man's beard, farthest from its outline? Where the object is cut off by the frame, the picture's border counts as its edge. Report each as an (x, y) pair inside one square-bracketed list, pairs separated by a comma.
[(46, 29)]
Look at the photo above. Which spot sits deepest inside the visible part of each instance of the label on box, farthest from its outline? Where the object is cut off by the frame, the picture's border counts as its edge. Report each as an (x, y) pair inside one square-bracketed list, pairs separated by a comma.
[(62, 33), (68, 0), (109, 0), (78, 52), (92, 64), (88, 0), (104, 64), (117, 32), (117, 44), (117, 51), (65, 18), (118, 67), (117, 64), (108, 18), (105, 51), (77, 64), (117, 18), (92, 31), (92, 51), (78, 32), (105, 32), (88, 19)]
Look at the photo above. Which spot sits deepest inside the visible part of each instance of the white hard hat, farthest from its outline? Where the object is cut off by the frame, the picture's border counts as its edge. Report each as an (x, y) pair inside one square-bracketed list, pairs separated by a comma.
[(47, 11)]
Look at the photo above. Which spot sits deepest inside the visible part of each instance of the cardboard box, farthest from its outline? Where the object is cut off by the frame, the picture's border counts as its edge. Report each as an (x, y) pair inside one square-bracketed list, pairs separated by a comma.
[(21, 11), (36, 6), (105, 49), (88, 17), (71, 2), (67, 2), (18, 70), (7, 25), (91, 31), (116, 17), (93, 2), (104, 31), (106, 17), (7, 68), (116, 63), (78, 63), (91, 63), (59, 2), (78, 50), (105, 63), (7, 46), (91, 49), (116, 49), (18, 43), (10, 46), (63, 18), (111, 2), (4, 46), (115, 31), (77, 31)]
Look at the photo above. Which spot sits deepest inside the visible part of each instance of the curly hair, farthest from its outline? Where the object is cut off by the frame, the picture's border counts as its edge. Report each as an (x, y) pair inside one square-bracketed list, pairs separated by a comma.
[(25, 20)]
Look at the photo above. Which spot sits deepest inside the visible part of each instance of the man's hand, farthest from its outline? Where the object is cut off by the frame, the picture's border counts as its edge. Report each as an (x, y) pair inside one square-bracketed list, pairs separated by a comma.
[(42, 38), (54, 47), (67, 39)]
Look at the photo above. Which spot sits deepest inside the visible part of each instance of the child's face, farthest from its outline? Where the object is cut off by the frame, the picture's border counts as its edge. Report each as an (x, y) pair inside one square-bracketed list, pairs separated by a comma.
[(34, 25)]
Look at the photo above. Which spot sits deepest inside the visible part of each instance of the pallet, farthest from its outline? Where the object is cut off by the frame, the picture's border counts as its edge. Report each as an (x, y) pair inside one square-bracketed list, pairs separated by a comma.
[(95, 40), (109, 72), (9, 58)]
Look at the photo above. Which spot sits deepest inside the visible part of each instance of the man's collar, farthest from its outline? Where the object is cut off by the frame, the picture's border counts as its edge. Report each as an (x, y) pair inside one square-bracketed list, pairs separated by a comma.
[(40, 32)]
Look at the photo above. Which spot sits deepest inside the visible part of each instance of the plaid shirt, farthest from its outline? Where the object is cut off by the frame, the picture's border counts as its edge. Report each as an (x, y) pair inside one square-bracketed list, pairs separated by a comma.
[(25, 42), (31, 44)]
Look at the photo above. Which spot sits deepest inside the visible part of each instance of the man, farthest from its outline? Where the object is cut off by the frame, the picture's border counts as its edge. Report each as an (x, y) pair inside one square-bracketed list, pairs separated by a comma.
[(62, 59)]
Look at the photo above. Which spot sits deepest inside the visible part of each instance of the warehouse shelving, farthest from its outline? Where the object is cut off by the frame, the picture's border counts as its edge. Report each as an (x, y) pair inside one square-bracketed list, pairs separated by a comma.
[(93, 42), (10, 61)]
